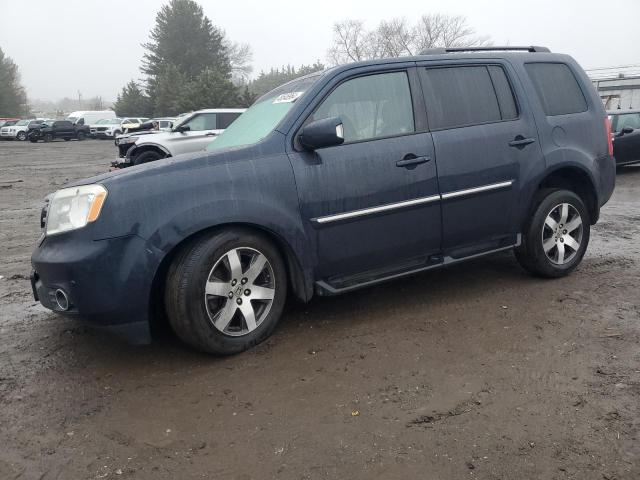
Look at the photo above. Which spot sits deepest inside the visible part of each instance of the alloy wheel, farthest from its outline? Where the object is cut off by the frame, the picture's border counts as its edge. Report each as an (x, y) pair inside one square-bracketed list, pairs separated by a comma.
[(239, 291), (562, 233)]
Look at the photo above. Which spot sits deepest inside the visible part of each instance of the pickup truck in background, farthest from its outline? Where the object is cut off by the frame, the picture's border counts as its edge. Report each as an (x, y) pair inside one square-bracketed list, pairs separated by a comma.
[(58, 129)]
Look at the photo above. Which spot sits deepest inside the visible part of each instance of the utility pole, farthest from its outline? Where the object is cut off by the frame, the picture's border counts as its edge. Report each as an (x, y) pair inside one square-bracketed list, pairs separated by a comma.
[(79, 100)]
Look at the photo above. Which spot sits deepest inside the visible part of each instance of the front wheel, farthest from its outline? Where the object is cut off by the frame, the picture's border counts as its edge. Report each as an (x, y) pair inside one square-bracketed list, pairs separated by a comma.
[(556, 238), (146, 157), (80, 135), (48, 138), (225, 293), (22, 136)]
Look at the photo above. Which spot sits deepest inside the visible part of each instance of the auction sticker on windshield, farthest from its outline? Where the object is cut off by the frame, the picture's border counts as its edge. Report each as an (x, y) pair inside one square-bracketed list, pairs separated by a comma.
[(287, 97)]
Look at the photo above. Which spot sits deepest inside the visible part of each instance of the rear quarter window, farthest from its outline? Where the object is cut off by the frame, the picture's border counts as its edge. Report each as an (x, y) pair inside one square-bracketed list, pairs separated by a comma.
[(557, 88)]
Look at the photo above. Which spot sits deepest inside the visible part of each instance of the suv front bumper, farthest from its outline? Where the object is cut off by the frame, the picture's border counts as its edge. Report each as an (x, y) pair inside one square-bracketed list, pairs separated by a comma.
[(106, 282)]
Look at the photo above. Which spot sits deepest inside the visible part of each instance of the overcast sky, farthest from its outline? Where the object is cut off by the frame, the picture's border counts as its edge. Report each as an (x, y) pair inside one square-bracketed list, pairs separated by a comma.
[(94, 46)]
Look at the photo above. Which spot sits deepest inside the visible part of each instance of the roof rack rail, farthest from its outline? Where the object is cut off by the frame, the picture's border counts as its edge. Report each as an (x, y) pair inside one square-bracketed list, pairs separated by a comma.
[(442, 50)]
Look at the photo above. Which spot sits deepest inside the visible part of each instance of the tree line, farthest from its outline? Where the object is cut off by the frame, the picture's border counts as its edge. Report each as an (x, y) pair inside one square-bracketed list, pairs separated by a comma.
[(190, 64)]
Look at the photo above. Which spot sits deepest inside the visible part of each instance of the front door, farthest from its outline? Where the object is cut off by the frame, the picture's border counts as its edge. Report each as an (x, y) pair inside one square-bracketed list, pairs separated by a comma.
[(202, 131), (372, 203), (483, 141)]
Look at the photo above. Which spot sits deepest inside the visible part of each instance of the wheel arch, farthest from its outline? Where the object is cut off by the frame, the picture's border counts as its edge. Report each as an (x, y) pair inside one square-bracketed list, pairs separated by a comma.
[(147, 147), (300, 286), (574, 178)]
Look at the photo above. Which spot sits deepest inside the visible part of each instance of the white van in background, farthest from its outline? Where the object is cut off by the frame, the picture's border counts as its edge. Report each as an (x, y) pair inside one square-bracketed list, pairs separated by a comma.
[(89, 117)]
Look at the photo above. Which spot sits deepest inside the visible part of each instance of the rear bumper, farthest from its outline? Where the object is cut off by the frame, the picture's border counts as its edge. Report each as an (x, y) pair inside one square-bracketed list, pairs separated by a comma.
[(107, 282)]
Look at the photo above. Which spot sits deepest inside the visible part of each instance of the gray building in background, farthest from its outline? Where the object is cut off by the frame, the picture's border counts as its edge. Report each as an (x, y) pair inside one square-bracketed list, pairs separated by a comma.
[(619, 88)]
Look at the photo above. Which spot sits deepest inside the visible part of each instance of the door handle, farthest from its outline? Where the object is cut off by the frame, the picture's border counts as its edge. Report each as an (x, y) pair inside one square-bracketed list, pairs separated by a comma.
[(411, 161), (520, 142), (211, 134)]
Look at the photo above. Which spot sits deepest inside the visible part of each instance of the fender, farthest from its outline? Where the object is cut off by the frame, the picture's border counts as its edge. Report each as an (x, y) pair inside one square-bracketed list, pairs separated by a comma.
[(135, 147)]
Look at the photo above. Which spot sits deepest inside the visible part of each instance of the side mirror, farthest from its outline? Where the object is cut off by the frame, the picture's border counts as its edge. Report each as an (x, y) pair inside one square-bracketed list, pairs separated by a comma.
[(327, 132), (183, 128), (626, 130)]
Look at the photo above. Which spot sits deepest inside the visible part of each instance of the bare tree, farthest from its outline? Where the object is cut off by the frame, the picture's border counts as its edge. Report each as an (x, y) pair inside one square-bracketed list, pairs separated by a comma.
[(398, 37), (438, 30), (351, 42), (240, 57)]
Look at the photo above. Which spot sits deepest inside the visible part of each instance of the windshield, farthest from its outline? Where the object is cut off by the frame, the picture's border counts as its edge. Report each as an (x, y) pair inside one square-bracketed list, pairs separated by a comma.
[(72, 119), (113, 121), (22, 123), (263, 116)]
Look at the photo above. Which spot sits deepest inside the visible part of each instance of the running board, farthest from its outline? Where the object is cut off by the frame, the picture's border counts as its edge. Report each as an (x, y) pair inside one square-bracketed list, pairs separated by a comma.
[(323, 288)]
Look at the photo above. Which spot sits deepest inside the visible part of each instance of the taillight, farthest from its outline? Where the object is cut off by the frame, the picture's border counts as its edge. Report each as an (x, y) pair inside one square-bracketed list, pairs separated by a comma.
[(609, 133)]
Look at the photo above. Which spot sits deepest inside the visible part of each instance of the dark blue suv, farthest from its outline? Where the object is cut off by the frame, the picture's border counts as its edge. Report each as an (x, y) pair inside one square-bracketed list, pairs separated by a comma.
[(349, 177)]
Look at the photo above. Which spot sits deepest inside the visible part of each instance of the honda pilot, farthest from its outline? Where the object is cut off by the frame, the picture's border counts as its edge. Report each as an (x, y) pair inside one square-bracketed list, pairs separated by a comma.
[(360, 174)]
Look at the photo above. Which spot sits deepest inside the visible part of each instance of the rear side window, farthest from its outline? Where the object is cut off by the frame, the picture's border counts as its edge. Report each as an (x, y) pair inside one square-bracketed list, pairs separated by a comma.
[(373, 106), (469, 95), (226, 119), (557, 88)]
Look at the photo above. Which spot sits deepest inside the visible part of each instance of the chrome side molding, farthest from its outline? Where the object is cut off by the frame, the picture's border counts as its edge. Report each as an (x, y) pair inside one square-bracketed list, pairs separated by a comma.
[(410, 203)]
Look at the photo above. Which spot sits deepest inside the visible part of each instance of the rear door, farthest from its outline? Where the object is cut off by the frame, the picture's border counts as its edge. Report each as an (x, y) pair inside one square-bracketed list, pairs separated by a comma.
[(202, 130), (372, 203), (485, 141)]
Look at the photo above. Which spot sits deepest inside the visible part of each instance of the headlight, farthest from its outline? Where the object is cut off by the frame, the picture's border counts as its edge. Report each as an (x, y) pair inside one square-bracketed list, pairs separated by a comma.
[(75, 207)]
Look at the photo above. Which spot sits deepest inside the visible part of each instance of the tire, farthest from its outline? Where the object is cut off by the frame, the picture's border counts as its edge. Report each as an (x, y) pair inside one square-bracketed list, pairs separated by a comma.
[(33, 140), (556, 237), (48, 138), (22, 136), (80, 136), (240, 309), (146, 157), (66, 139)]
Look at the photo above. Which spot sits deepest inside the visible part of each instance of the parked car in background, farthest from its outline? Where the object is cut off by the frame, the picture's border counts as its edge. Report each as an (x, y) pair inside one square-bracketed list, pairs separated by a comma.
[(108, 128), (7, 122), (342, 179), (89, 117), (93, 126), (191, 134), (625, 128), (58, 129), (130, 123), (20, 130)]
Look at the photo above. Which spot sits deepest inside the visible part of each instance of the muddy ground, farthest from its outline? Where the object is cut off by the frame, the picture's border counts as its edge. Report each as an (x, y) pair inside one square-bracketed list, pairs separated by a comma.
[(478, 371)]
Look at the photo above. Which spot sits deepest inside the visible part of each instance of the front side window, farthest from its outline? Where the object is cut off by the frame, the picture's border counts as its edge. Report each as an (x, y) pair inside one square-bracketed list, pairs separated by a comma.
[(467, 95), (374, 106), (557, 88), (202, 121)]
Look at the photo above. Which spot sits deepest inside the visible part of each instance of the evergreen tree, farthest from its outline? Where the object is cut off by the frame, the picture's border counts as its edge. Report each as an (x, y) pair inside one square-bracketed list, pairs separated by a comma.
[(13, 98), (185, 53), (132, 101), (207, 89), (276, 77)]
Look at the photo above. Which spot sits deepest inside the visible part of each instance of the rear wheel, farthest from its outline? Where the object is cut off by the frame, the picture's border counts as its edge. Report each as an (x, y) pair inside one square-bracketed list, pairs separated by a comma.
[(22, 136), (146, 157), (556, 238), (225, 293)]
